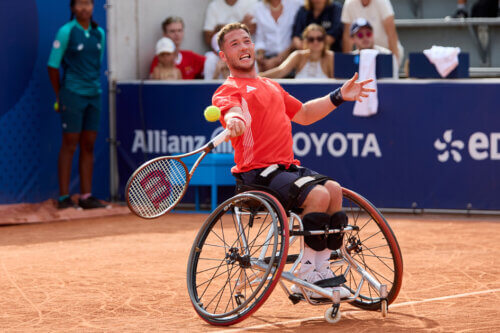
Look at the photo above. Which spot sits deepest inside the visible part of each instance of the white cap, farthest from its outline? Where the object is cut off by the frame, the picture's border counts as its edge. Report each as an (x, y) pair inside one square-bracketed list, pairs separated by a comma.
[(165, 45)]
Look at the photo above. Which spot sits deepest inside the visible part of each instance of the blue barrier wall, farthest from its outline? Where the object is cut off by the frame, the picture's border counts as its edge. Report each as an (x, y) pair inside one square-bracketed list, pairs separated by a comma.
[(30, 130), (433, 143)]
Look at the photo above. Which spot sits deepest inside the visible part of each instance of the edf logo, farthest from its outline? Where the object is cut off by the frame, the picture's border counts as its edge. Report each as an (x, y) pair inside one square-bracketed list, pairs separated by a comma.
[(480, 146)]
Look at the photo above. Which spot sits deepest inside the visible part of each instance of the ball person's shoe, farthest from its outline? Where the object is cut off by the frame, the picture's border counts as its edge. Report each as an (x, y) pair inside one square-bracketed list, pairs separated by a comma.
[(66, 203), (90, 203)]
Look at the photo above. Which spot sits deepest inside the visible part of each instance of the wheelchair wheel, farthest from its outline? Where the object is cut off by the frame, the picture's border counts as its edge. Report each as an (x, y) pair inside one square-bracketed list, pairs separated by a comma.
[(237, 258), (375, 248)]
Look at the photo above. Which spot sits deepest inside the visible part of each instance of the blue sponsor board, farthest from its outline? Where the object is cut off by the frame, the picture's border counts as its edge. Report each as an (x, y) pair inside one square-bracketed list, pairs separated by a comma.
[(435, 144), (30, 129)]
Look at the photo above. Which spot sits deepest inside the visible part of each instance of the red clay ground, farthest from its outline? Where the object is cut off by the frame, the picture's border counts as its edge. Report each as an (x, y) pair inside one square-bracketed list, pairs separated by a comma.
[(124, 274)]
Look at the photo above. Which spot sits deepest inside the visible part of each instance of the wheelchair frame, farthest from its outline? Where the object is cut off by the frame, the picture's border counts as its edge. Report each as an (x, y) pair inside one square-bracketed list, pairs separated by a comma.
[(269, 268)]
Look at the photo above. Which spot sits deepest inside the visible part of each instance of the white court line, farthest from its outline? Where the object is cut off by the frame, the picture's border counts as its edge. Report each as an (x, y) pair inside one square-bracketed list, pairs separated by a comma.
[(347, 312)]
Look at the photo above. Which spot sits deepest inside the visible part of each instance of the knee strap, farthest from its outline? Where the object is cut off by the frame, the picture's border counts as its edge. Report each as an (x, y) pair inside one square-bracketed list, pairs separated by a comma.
[(316, 221), (337, 221)]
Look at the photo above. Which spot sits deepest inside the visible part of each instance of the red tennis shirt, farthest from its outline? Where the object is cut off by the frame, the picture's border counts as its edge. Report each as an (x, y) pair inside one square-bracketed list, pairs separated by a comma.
[(268, 110)]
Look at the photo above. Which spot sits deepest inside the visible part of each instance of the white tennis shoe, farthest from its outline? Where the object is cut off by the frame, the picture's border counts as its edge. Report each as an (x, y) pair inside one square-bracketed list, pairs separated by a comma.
[(326, 273), (307, 273)]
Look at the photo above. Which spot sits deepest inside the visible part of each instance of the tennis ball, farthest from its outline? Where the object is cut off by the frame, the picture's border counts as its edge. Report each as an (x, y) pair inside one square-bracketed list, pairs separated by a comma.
[(212, 113), (56, 106)]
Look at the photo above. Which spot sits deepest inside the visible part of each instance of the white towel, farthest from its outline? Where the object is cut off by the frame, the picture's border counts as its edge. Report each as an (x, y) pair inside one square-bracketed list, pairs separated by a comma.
[(445, 59), (367, 70)]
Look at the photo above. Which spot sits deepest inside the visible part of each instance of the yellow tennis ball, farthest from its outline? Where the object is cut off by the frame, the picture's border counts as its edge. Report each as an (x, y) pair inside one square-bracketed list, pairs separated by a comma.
[(212, 113), (56, 106)]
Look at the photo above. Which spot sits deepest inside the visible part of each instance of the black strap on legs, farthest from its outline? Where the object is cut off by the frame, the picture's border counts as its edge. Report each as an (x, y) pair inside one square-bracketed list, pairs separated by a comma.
[(265, 177), (316, 221), (337, 221)]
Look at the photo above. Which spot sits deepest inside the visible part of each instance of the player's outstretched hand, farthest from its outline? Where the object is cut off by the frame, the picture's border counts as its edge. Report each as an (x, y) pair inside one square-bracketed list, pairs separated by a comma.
[(355, 91), (236, 126)]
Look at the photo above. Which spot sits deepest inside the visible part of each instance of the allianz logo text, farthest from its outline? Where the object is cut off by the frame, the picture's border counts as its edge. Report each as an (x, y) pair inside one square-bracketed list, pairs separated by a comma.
[(160, 142), (480, 146), (336, 144)]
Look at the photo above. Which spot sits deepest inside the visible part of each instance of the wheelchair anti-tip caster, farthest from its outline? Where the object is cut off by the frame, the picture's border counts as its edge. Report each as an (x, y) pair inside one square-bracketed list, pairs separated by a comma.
[(332, 315), (384, 306)]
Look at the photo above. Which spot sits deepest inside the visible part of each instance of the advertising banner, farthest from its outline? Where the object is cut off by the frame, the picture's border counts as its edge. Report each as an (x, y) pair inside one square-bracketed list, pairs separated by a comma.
[(432, 144)]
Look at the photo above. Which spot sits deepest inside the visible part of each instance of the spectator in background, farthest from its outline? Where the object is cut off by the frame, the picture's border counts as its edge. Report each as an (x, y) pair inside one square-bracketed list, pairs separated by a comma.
[(188, 62), (314, 62), (79, 47), (325, 13), (381, 17), (215, 68), (481, 8), (165, 69), (273, 37), (222, 12), (362, 37)]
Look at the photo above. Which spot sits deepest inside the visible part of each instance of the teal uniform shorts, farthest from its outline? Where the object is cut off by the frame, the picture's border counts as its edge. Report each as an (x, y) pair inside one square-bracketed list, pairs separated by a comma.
[(78, 112)]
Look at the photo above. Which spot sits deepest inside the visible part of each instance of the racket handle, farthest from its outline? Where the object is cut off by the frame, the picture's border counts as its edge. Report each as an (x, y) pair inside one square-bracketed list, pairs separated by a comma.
[(219, 138)]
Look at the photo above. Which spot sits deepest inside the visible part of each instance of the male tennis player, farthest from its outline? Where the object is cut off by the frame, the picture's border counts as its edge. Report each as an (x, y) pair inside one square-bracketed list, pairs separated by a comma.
[(258, 112)]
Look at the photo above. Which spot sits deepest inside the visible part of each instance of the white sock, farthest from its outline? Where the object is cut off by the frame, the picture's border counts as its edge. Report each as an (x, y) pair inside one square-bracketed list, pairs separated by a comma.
[(460, 6), (308, 257), (322, 257)]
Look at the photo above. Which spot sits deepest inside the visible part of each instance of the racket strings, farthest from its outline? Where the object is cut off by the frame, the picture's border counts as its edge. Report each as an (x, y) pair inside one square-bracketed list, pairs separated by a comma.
[(157, 187)]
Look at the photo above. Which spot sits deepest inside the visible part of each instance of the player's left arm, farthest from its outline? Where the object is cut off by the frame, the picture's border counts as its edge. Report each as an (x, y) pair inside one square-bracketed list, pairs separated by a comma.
[(318, 108)]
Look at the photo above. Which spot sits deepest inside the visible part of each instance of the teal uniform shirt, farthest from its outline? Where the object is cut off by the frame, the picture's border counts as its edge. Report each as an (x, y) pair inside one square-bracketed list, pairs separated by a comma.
[(80, 52)]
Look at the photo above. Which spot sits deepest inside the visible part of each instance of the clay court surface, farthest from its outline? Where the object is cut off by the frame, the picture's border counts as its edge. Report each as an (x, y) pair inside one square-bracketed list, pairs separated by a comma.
[(124, 274)]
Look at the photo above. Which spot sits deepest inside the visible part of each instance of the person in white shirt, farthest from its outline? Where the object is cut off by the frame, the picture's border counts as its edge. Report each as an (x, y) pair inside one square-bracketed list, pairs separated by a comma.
[(215, 68), (314, 62), (274, 24), (362, 37), (222, 12), (380, 14)]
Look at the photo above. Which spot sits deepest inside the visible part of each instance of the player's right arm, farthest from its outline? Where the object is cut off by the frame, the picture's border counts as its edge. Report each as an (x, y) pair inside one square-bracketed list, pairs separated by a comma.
[(228, 99), (59, 47), (234, 121)]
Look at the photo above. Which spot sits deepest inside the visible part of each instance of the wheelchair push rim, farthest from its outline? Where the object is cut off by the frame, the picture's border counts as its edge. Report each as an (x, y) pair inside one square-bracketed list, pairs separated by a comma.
[(227, 278), (375, 248)]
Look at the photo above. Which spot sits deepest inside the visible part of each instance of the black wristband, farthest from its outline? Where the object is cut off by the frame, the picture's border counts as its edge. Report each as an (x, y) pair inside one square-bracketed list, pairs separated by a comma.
[(336, 97)]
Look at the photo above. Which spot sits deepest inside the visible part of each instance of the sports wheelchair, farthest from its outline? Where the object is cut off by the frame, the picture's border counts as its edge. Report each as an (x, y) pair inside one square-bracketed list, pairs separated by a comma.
[(249, 244)]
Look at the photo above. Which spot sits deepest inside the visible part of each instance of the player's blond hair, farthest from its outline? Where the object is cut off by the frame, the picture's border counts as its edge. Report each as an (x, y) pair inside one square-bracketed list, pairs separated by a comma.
[(315, 27), (228, 28), (308, 5)]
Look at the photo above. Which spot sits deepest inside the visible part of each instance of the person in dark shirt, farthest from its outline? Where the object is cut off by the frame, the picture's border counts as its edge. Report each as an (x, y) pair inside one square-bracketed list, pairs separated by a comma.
[(325, 13)]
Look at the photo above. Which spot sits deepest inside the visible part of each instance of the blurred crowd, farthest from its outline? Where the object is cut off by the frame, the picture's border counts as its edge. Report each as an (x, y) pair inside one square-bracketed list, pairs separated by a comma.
[(293, 38)]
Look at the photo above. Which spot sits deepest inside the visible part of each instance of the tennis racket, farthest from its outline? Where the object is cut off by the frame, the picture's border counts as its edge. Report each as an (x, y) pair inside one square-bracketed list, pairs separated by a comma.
[(158, 185)]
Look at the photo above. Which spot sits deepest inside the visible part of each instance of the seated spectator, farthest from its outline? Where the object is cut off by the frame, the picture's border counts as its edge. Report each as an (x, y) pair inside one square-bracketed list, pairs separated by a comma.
[(165, 69), (362, 37), (481, 8), (381, 17), (273, 37), (314, 62), (325, 13), (188, 62), (222, 12), (215, 68)]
